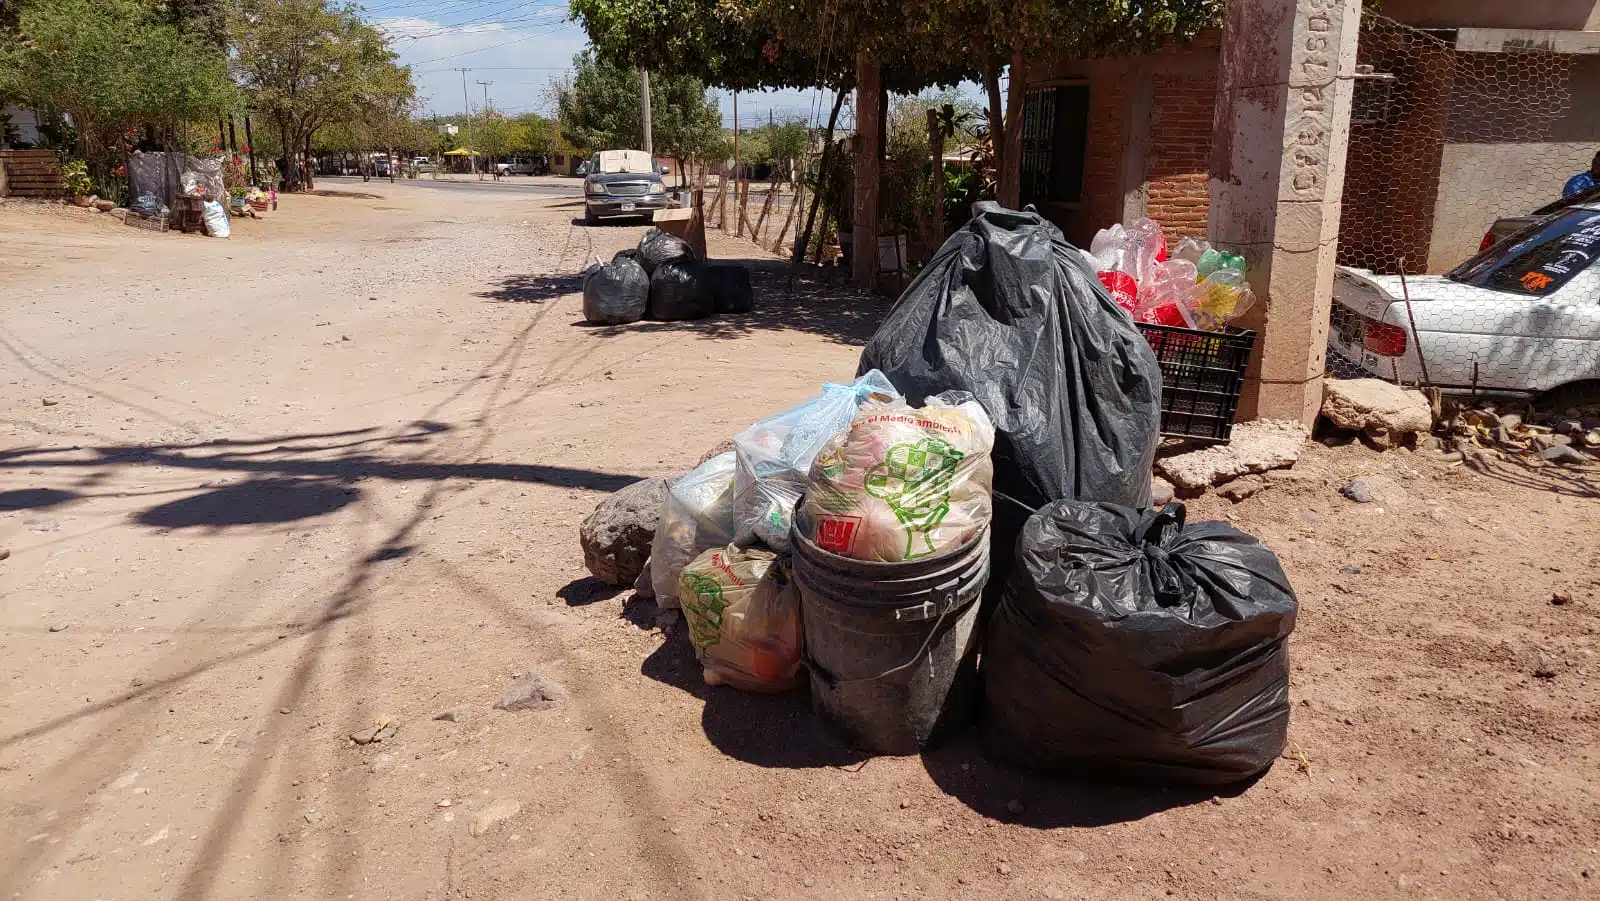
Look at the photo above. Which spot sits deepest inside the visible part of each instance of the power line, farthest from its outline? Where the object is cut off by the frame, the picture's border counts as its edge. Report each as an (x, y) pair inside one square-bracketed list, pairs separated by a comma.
[(527, 37)]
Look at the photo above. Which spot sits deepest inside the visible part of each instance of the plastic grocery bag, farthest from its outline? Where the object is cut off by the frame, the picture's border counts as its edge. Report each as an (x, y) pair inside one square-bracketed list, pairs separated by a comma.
[(775, 457), (678, 291), (657, 247), (743, 613), (697, 516), (617, 292), (216, 217), (1221, 296), (1130, 644), (1010, 312), (903, 483)]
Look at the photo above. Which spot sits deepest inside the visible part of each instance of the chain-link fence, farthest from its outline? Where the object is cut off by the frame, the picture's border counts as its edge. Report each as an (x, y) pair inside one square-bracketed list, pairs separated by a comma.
[(1459, 142)]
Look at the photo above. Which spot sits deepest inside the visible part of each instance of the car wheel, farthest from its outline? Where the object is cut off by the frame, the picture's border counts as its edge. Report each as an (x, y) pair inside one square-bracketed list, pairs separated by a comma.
[(590, 218), (1571, 396)]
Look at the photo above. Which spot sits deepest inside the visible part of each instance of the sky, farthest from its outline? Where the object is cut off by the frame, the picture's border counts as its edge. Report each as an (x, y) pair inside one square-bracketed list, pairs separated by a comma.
[(521, 48)]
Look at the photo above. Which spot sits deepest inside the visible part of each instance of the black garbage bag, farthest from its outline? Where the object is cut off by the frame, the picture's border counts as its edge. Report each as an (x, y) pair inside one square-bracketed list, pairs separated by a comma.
[(617, 292), (657, 247), (1010, 311), (1130, 645), (729, 284), (678, 291)]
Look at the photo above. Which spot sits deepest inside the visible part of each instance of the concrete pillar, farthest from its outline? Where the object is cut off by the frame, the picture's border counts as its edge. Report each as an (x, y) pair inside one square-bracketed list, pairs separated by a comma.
[(869, 119), (1277, 171)]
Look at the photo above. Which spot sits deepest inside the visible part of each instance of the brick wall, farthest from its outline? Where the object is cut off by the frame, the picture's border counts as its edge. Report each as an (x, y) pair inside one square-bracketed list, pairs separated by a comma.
[(1102, 163), (1176, 163)]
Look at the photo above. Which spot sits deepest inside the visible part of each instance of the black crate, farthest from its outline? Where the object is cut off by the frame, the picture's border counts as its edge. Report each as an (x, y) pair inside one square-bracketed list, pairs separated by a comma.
[(1202, 374)]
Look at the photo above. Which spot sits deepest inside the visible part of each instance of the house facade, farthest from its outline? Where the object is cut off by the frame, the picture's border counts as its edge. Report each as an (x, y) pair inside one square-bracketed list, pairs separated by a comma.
[(1464, 112)]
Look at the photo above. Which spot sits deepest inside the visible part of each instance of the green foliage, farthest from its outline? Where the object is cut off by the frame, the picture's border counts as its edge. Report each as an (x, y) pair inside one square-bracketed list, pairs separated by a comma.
[(308, 65), (113, 65), (75, 179), (598, 109), (908, 119)]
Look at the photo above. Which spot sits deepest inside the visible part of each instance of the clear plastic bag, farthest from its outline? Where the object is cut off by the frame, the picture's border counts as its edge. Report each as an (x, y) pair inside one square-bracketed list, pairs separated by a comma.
[(697, 516), (775, 457), (743, 613), (1170, 288), (1222, 296), (903, 483)]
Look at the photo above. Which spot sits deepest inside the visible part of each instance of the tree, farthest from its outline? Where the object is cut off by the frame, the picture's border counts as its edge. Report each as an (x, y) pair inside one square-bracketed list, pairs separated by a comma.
[(113, 66), (598, 109), (307, 65)]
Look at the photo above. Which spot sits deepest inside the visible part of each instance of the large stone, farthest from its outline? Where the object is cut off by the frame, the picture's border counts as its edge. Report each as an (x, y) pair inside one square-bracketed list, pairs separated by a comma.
[(616, 536), (498, 811), (1384, 411), (1258, 446), (530, 692), (1161, 492)]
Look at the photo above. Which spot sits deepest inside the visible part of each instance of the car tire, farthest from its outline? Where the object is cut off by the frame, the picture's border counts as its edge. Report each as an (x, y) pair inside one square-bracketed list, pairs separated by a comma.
[(1569, 396), (590, 218)]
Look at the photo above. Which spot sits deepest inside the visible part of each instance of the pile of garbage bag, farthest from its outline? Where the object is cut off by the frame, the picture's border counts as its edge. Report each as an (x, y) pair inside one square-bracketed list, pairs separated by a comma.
[(1195, 286), (996, 444), (663, 280)]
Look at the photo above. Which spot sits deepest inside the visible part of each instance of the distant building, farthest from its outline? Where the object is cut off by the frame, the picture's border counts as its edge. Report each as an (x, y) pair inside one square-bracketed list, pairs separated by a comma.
[(1464, 112)]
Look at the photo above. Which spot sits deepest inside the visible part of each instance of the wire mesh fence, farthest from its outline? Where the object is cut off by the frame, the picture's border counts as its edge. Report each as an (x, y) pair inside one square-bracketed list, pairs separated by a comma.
[(1461, 266)]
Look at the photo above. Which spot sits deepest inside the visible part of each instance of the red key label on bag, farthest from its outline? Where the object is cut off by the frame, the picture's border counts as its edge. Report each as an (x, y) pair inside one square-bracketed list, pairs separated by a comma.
[(837, 534)]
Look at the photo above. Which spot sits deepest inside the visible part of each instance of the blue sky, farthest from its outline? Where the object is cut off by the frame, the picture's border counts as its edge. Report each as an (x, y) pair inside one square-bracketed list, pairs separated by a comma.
[(521, 48)]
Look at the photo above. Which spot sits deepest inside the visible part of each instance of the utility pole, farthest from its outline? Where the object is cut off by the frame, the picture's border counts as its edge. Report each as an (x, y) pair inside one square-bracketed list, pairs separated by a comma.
[(644, 112), (486, 84), (466, 104)]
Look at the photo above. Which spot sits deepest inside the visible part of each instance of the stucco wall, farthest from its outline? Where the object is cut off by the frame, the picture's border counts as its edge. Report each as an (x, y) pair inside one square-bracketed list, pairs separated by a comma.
[(1576, 15)]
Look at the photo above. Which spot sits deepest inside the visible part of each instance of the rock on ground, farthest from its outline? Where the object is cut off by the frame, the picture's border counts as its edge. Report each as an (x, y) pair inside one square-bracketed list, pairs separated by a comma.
[(616, 536), (498, 811), (1243, 488), (530, 693), (1383, 411), (1256, 447), (1161, 491)]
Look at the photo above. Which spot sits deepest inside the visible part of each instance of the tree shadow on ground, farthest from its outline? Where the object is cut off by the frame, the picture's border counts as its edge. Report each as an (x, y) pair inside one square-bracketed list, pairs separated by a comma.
[(818, 305), (350, 195), (776, 731), (1564, 480), (260, 501), (988, 787), (35, 498), (534, 288)]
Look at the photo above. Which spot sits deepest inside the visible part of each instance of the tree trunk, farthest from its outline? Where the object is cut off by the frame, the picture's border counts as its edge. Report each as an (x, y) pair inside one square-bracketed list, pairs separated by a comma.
[(936, 151), (822, 178), (311, 184), (1010, 189), (997, 124), (392, 162), (869, 112)]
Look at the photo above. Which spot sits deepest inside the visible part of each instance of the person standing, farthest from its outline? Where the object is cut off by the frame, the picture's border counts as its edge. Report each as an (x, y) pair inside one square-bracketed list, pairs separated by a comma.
[(1583, 181)]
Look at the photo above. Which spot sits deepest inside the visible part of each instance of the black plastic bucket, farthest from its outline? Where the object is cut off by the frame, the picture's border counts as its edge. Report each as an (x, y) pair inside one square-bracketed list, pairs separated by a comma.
[(891, 647)]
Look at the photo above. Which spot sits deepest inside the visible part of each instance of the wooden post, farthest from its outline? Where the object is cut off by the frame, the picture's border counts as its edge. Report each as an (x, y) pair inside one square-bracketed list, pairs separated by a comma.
[(869, 112), (722, 198), (766, 208)]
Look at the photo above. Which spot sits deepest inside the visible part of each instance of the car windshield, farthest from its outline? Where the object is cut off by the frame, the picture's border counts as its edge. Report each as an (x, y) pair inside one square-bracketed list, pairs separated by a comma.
[(1540, 261)]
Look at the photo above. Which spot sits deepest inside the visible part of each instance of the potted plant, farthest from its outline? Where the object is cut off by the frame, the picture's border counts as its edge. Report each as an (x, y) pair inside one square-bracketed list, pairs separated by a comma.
[(76, 182)]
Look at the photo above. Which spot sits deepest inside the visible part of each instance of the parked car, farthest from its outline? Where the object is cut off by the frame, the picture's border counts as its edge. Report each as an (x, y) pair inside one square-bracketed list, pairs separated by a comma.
[(621, 183), (1505, 228), (1521, 318)]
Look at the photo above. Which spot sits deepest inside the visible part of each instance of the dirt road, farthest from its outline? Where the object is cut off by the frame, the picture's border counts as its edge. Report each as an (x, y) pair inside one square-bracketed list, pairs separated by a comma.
[(263, 493)]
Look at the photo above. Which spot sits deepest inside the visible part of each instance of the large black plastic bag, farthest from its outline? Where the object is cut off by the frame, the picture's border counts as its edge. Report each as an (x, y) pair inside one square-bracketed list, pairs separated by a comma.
[(1009, 311), (657, 247), (1128, 644), (729, 284), (616, 292), (678, 291)]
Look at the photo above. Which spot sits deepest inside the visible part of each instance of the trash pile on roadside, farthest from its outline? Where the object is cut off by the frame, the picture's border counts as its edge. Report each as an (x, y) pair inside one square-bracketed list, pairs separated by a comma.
[(663, 280), (963, 536), (1477, 435)]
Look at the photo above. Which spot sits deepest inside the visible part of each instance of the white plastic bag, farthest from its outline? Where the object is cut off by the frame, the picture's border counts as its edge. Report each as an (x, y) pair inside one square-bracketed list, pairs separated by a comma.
[(697, 516), (216, 220), (775, 456), (743, 613), (903, 483)]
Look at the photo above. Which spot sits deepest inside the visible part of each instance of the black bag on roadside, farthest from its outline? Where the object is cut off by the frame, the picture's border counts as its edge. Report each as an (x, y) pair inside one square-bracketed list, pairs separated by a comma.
[(1009, 311), (657, 247), (617, 292), (729, 284), (678, 291), (1128, 644)]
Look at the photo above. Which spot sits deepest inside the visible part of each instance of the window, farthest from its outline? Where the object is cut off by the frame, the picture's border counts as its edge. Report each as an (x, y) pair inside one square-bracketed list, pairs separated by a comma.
[(1055, 129), (1539, 261)]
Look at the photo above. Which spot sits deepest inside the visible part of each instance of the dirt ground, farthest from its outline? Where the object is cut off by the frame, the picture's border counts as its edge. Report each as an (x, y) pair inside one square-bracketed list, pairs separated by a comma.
[(259, 494)]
